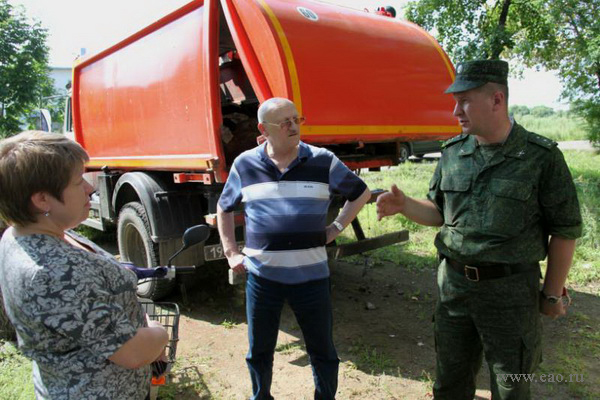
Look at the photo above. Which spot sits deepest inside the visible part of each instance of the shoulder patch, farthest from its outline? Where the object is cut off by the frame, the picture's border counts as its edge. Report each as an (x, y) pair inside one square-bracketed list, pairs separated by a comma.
[(541, 140), (454, 140)]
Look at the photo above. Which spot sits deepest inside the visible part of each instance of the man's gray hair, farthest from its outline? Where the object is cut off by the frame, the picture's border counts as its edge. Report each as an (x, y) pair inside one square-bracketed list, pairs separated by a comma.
[(269, 105)]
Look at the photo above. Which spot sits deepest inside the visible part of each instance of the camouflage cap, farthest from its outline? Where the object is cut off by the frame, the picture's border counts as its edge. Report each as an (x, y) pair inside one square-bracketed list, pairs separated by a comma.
[(473, 74)]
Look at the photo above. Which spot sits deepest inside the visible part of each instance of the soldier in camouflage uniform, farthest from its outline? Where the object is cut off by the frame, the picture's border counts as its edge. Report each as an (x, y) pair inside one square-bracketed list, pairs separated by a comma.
[(505, 200)]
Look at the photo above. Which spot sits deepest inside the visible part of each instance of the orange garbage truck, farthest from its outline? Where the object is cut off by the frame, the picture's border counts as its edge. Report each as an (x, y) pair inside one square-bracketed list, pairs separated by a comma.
[(164, 112)]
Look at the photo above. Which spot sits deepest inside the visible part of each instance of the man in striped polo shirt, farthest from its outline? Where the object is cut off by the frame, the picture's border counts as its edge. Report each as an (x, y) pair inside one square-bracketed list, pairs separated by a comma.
[(286, 186)]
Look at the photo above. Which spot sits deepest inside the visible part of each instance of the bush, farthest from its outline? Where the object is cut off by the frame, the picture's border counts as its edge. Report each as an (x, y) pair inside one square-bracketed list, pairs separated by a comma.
[(542, 111), (519, 110), (590, 111)]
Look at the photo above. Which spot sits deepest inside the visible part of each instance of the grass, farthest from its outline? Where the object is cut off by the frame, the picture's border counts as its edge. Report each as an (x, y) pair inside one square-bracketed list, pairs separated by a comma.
[(369, 358), (582, 342), (227, 324), (584, 167), (15, 375), (188, 383), (420, 253), (288, 348), (97, 236), (556, 127)]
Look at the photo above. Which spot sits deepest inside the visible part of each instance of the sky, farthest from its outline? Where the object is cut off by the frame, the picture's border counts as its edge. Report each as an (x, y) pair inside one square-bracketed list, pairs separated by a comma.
[(96, 25)]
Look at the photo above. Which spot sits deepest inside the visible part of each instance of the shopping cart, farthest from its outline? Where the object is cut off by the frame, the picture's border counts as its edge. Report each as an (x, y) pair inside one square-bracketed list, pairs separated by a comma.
[(168, 315)]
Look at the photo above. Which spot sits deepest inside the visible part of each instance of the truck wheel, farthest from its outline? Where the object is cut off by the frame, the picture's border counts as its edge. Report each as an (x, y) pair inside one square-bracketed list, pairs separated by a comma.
[(403, 152), (136, 246)]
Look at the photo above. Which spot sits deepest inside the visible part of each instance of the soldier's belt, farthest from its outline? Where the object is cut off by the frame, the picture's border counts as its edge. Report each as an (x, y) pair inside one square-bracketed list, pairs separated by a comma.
[(477, 273)]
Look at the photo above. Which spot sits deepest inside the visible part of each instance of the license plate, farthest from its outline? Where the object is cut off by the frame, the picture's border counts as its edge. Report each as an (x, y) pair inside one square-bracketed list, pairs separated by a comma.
[(215, 251)]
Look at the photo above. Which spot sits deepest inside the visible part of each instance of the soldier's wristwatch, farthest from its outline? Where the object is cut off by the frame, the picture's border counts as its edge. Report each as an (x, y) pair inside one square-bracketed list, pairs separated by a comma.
[(551, 299), (338, 225)]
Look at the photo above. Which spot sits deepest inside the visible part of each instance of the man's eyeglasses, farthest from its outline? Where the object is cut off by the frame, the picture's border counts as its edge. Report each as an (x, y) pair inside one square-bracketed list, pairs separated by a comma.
[(287, 124)]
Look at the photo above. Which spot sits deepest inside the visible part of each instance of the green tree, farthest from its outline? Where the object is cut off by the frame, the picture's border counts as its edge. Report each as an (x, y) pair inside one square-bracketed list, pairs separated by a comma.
[(561, 35), (576, 55), (24, 70), (542, 111), (519, 110)]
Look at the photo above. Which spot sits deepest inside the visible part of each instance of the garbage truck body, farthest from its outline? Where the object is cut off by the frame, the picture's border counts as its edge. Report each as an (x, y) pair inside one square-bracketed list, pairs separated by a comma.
[(164, 112)]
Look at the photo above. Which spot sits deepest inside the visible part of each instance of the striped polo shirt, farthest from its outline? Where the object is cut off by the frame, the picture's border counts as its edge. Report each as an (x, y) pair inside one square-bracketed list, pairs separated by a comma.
[(286, 212)]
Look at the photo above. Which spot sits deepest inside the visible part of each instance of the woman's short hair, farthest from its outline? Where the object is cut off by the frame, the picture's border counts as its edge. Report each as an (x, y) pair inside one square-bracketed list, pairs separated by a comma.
[(33, 162)]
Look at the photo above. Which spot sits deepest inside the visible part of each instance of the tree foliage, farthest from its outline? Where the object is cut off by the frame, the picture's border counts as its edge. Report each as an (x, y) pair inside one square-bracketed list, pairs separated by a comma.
[(561, 35), (542, 111), (519, 110), (577, 56), (24, 70)]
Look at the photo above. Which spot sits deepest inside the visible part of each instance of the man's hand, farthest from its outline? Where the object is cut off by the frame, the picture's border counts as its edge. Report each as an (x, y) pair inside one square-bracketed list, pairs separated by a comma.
[(560, 257), (390, 203), (331, 232), (236, 263), (553, 310)]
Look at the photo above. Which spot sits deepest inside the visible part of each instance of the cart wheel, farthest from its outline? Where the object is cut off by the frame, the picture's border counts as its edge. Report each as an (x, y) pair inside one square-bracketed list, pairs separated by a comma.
[(136, 246)]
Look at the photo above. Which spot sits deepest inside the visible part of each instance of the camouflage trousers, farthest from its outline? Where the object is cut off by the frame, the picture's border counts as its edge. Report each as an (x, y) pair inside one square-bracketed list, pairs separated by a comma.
[(498, 318)]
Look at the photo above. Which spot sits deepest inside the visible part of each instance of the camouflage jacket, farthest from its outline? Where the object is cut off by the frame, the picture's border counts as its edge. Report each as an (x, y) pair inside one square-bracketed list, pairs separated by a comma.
[(72, 309), (503, 210)]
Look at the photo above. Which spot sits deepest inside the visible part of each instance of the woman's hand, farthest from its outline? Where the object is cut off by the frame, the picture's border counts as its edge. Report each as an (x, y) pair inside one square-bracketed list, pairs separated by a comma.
[(146, 346), (155, 324), (163, 356)]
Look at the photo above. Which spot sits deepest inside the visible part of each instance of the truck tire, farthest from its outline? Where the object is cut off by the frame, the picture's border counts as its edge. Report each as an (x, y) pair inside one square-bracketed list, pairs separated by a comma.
[(136, 246), (403, 152)]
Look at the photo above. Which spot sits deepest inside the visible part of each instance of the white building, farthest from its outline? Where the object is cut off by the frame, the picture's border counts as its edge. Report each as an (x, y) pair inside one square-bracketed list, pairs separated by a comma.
[(61, 76)]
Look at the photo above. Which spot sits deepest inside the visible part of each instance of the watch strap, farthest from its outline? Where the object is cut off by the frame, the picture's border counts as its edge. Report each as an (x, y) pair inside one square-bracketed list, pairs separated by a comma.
[(551, 299), (338, 225)]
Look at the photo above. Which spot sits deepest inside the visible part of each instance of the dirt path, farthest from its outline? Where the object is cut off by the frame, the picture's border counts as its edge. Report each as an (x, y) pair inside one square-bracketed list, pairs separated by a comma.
[(386, 352)]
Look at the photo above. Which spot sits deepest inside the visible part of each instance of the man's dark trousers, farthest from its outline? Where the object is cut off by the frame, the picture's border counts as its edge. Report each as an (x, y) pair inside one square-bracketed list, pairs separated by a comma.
[(311, 304)]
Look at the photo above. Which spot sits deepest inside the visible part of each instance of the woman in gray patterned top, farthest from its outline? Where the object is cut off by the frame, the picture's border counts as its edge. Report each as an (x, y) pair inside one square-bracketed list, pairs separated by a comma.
[(74, 308)]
